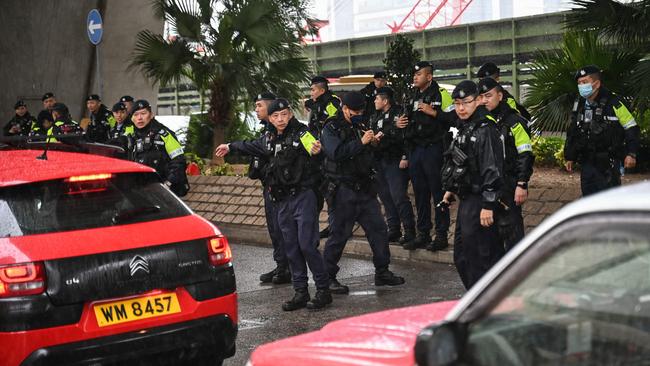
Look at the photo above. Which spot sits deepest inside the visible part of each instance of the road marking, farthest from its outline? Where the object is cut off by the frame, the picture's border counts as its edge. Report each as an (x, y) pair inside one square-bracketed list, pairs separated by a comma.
[(250, 324)]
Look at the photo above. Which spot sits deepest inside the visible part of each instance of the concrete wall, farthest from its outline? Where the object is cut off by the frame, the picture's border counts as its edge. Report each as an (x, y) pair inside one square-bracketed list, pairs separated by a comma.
[(44, 47)]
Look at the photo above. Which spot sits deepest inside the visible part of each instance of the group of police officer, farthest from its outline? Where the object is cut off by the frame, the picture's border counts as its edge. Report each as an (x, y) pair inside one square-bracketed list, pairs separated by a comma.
[(365, 146), (130, 124)]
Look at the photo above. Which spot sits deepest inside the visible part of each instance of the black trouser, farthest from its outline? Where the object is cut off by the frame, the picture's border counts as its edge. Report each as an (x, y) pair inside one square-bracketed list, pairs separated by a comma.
[(593, 179), (350, 206), (279, 255), (298, 221), (424, 167), (392, 188), (476, 248)]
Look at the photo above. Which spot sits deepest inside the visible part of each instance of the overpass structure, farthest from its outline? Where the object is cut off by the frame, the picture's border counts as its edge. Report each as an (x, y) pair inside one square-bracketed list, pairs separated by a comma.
[(455, 51)]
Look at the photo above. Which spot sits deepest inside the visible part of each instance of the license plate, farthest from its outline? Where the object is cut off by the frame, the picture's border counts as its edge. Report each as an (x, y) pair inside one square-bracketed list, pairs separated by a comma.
[(136, 309)]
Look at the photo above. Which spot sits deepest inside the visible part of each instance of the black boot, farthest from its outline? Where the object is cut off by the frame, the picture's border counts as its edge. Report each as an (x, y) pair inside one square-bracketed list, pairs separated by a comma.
[(268, 276), (394, 235), (421, 241), (324, 233), (337, 288), (384, 277), (320, 300), (409, 237), (439, 243), (282, 275), (299, 301)]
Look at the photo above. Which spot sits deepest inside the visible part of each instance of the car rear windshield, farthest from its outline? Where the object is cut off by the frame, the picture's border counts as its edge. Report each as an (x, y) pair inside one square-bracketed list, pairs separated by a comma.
[(85, 202)]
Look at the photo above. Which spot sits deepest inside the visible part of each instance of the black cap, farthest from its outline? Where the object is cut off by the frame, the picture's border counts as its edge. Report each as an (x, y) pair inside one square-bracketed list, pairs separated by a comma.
[(141, 104), (487, 84), (384, 90), (20, 103), (126, 98), (318, 79), (60, 107), (93, 97), (265, 96), (587, 70), (422, 64), (354, 100), (487, 69), (278, 105), (47, 96), (379, 75), (465, 89), (119, 106)]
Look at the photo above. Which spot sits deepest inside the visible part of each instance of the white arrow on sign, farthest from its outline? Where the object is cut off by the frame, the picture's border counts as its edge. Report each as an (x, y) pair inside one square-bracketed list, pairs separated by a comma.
[(92, 27)]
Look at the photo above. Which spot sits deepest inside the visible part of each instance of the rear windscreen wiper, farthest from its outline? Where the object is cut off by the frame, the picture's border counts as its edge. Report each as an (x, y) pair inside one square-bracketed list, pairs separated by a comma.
[(127, 215)]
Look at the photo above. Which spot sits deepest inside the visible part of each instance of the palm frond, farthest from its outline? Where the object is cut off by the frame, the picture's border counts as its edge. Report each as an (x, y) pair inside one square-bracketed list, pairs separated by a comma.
[(159, 60), (627, 23)]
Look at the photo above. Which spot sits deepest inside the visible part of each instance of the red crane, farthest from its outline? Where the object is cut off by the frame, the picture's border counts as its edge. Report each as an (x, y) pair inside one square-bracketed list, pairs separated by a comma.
[(440, 13)]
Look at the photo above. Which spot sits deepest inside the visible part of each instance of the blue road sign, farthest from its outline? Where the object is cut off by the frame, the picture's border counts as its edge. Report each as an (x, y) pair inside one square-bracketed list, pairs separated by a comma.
[(94, 27)]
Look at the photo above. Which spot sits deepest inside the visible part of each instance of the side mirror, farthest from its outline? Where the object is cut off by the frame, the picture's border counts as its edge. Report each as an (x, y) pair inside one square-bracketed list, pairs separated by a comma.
[(440, 344)]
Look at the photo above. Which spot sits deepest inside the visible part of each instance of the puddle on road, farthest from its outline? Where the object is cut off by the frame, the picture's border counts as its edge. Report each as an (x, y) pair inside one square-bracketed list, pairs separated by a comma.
[(363, 293), (250, 324)]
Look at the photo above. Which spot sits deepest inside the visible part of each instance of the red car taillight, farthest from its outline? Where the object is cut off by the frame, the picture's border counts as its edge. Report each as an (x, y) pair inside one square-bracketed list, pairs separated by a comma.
[(22, 279), (219, 250)]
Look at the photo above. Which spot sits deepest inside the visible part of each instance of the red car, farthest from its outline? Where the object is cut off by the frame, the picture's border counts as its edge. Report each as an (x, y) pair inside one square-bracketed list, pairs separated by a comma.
[(575, 291), (101, 264)]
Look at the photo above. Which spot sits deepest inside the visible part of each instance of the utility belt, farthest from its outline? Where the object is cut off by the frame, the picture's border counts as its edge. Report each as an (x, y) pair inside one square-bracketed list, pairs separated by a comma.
[(281, 193), (465, 191)]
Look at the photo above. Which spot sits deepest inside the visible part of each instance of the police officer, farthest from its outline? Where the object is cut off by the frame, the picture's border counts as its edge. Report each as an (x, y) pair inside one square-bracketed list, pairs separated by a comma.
[(602, 134), (368, 91), (280, 274), (123, 127), (291, 175), (518, 163), (43, 124), (391, 157), (156, 145), (101, 120), (428, 123), (490, 70), (324, 105), (128, 102), (351, 195), (473, 172), (21, 123), (49, 100), (63, 123)]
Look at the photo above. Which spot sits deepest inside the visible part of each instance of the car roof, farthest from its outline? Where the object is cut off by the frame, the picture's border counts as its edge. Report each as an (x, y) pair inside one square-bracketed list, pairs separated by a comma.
[(22, 166), (629, 198)]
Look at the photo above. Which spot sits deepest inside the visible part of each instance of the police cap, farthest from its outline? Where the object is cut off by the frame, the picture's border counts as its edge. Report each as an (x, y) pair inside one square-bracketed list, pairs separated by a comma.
[(465, 89), (93, 97), (379, 75), (47, 96), (141, 104), (278, 105), (423, 64), (119, 106), (19, 104), (60, 107), (126, 98), (487, 84), (354, 100), (587, 70), (488, 69), (318, 80), (265, 96), (384, 90)]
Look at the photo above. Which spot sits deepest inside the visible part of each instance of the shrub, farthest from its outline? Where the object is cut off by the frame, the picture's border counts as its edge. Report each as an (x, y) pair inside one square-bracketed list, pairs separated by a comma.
[(549, 151)]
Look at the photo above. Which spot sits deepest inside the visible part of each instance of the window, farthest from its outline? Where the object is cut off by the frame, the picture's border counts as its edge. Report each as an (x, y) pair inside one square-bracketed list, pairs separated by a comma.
[(60, 205), (587, 303)]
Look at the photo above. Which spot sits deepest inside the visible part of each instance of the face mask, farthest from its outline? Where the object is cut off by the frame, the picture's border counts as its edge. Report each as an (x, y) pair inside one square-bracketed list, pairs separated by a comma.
[(585, 90), (357, 120)]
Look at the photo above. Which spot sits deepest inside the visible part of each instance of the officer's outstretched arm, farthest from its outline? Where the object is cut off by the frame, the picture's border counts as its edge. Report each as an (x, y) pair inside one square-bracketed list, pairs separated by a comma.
[(337, 150), (490, 165), (253, 147)]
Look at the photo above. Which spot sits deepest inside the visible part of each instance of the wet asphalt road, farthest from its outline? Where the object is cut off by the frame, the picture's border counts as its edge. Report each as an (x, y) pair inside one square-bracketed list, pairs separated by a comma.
[(262, 320)]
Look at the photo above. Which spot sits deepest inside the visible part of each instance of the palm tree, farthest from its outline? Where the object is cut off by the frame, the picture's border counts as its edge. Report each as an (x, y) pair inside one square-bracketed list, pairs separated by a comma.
[(232, 48), (553, 88), (625, 24)]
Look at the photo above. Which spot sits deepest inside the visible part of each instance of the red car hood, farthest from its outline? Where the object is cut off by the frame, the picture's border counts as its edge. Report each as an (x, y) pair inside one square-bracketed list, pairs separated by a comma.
[(383, 338)]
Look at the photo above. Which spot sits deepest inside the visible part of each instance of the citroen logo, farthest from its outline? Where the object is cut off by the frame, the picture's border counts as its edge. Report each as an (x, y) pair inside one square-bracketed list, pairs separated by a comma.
[(138, 264)]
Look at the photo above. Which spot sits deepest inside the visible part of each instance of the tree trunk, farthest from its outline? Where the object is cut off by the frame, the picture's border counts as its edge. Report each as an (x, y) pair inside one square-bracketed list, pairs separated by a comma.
[(220, 115)]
